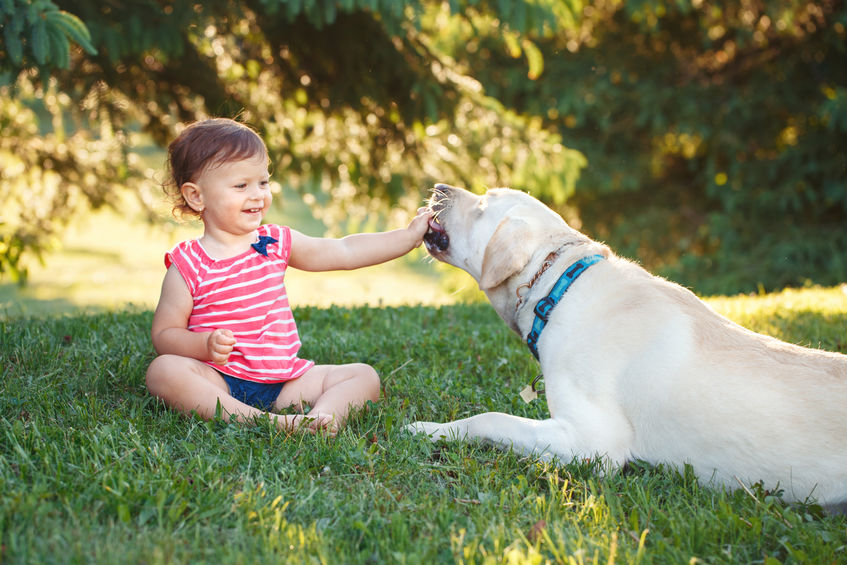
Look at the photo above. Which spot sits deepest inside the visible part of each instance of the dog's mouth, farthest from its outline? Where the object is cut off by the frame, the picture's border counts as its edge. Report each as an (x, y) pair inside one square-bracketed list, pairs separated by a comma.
[(436, 238)]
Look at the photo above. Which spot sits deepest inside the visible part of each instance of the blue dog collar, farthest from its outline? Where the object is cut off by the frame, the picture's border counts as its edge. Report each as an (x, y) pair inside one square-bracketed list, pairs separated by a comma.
[(545, 306)]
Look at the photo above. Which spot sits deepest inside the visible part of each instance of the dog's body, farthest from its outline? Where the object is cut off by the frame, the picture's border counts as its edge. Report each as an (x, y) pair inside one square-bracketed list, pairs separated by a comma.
[(636, 367)]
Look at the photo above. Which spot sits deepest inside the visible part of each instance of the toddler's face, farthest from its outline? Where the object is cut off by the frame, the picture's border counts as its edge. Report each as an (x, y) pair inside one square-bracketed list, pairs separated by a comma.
[(235, 195)]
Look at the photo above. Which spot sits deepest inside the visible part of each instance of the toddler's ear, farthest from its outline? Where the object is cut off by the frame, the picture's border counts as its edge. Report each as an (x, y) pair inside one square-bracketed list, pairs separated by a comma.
[(191, 194)]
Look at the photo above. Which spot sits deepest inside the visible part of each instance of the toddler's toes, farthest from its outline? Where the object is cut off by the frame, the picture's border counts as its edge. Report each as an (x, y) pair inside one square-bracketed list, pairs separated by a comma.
[(324, 422)]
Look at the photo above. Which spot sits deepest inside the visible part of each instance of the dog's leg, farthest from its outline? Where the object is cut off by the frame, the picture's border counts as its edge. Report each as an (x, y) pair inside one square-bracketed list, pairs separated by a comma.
[(550, 438)]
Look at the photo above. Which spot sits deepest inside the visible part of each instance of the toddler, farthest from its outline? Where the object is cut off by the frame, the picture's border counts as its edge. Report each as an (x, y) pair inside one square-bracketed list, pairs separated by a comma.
[(223, 328)]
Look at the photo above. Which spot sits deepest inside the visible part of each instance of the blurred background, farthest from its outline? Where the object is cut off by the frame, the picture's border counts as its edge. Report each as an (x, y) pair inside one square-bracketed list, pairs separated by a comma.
[(704, 139)]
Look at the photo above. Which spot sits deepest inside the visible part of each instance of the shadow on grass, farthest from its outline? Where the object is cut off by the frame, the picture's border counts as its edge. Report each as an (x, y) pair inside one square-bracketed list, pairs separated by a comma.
[(14, 303)]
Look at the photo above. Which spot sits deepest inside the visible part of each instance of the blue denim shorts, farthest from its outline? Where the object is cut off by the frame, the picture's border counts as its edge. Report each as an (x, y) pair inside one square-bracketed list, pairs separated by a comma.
[(259, 395)]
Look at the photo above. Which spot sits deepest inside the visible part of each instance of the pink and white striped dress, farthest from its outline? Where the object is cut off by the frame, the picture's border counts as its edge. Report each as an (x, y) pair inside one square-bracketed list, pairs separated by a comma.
[(245, 294)]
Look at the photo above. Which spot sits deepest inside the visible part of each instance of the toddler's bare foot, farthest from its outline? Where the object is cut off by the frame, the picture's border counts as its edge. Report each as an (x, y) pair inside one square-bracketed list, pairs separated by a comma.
[(309, 423), (325, 422), (293, 422)]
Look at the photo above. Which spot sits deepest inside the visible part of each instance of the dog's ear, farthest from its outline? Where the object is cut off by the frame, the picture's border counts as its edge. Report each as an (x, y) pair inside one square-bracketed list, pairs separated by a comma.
[(508, 251)]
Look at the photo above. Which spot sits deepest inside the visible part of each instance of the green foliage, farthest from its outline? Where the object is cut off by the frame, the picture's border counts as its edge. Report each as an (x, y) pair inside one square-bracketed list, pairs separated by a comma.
[(713, 132), (36, 33), (357, 109), (46, 176), (93, 470), (703, 138), (320, 13)]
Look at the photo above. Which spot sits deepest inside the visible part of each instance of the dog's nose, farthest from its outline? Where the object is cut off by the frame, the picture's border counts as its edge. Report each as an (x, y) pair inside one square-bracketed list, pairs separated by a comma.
[(445, 188)]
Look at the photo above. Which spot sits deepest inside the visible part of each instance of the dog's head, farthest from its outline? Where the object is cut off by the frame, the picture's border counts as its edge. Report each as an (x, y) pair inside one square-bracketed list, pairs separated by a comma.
[(493, 236), (501, 238)]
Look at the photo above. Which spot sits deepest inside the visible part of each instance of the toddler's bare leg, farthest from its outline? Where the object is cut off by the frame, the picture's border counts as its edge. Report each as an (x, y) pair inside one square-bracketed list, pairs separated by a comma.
[(188, 385), (332, 390)]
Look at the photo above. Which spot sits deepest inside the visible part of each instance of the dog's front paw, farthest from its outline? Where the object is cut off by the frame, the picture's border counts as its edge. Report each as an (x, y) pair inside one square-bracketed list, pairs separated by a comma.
[(434, 430)]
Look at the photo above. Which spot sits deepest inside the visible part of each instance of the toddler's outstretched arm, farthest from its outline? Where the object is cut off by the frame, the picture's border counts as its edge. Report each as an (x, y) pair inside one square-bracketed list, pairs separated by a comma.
[(358, 250)]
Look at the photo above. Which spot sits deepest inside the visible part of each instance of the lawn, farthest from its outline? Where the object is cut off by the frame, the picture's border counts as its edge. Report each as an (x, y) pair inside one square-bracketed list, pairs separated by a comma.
[(94, 471)]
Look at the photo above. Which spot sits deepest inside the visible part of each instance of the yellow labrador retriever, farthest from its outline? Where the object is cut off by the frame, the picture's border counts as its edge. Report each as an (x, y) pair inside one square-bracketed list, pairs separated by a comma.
[(636, 367)]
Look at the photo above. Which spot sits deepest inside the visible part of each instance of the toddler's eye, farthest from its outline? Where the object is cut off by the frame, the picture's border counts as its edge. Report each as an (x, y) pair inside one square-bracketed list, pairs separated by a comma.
[(242, 186)]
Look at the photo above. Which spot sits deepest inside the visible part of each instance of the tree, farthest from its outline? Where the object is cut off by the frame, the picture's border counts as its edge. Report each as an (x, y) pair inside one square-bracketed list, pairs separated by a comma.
[(714, 130), (356, 106)]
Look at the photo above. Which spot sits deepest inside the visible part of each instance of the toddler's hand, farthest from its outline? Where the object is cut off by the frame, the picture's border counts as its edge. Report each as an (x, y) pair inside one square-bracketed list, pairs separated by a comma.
[(219, 345), (419, 225)]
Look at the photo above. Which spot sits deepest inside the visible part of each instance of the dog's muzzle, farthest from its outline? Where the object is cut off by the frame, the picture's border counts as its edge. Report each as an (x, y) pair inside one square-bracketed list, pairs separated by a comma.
[(436, 238)]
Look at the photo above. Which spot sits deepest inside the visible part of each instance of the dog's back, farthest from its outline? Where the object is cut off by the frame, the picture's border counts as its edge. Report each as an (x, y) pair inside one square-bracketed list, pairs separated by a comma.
[(742, 406)]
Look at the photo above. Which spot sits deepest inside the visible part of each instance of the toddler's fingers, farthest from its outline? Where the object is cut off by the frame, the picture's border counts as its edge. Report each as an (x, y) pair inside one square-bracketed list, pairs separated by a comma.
[(421, 221), (219, 345), (226, 336)]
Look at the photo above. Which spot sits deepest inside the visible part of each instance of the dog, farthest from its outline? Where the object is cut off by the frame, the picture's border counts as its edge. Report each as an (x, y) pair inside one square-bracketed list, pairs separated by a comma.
[(636, 367)]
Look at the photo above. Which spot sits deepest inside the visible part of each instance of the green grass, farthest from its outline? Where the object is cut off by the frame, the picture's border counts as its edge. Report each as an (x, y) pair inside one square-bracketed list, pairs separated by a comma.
[(92, 470)]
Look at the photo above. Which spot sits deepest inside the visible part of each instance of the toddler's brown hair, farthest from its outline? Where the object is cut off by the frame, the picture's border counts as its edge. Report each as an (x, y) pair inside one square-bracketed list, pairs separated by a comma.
[(204, 145)]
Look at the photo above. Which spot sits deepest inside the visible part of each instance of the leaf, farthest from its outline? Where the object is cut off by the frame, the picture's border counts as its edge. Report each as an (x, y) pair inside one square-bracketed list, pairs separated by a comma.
[(504, 9), (534, 58), (329, 12), (14, 46), (39, 41), (293, 8), (512, 44), (59, 53), (519, 17), (73, 27), (17, 22), (536, 531)]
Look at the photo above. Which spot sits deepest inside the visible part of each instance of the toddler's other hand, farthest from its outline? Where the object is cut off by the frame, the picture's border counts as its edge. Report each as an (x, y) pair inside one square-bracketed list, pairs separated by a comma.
[(219, 345), (419, 225)]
